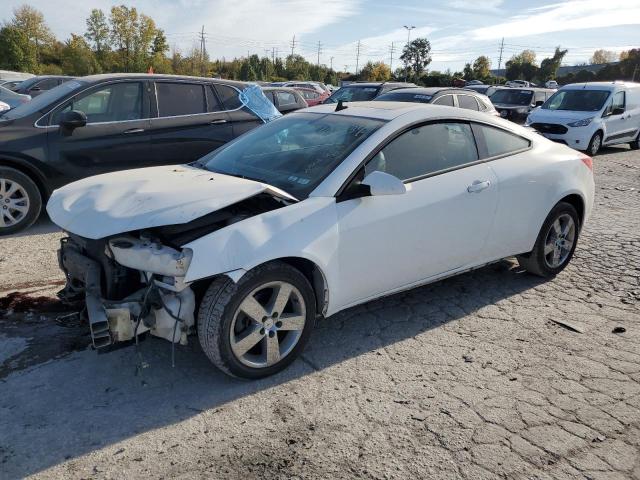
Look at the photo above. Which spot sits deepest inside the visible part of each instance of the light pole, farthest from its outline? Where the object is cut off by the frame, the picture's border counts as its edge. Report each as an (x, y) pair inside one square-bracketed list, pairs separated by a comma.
[(406, 71)]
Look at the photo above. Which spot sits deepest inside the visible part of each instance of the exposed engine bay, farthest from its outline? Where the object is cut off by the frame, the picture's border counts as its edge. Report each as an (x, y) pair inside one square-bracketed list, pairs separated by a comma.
[(134, 282)]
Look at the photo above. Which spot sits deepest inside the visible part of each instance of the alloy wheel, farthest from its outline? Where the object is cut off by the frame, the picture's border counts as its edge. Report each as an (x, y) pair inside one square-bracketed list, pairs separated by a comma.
[(14, 203), (559, 241), (267, 324)]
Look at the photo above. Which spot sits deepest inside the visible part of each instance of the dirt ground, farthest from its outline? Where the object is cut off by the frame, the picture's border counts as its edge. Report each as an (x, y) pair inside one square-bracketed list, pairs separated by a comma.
[(470, 378)]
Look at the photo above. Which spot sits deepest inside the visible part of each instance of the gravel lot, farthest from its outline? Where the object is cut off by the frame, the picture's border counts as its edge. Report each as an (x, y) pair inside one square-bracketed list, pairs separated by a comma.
[(466, 378)]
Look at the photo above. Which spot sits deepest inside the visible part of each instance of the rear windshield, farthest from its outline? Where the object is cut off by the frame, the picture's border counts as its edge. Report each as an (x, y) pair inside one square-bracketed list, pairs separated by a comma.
[(45, 101), (353, 94), (405, 97), (577, 100), (512, 97)]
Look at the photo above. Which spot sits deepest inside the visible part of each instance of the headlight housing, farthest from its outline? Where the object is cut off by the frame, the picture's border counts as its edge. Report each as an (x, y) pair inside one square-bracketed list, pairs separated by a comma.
[(581, 123)]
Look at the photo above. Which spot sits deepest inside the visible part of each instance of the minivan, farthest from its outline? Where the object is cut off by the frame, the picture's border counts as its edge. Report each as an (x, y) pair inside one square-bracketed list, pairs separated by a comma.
[(587, 116)]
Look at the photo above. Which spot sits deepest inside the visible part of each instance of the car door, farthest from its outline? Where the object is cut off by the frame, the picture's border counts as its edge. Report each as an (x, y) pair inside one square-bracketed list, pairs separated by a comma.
[(116, 134), (618, 126), (440, 224), (189, 122)]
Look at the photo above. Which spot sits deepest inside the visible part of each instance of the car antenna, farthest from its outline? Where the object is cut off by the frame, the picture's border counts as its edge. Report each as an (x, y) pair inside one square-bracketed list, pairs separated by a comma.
[(340, 106)]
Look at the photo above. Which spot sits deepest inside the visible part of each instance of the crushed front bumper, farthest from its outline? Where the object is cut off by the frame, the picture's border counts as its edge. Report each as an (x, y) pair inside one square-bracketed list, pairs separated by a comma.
[(164, 306)]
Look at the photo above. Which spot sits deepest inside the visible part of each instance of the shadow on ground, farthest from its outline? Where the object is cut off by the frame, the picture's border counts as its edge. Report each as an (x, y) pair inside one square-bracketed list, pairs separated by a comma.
[(70, 406)]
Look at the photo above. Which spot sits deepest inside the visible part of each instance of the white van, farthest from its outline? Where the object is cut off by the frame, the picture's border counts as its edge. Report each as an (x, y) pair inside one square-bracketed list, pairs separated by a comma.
[(587, 116)]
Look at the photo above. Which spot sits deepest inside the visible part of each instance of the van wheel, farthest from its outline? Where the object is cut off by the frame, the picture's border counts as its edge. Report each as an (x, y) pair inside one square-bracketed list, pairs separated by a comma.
[(595, 144), (635, 145), (20, 201), (258, 326), (555, 244)]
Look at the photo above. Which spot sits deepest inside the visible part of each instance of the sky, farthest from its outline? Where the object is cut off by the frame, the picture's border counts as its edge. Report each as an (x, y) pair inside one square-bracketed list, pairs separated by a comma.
[(459, 30)]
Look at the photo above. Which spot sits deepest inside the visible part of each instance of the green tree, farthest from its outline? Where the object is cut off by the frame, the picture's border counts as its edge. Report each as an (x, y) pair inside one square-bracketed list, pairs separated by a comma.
[(467, 72), (98, 34), (31, 22), (375, 72), (296, 67), (78, 58), (522, 66), (417, 56), (549, 66), (124, 25), (603, 56), (482, 67), (16, 53)]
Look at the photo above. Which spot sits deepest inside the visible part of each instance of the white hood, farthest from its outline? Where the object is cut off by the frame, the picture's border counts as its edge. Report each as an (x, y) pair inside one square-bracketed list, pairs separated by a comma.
[(104, 205), (558, 116)]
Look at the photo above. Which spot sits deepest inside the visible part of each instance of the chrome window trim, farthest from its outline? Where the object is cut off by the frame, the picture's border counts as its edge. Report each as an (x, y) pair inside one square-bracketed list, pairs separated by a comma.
[(109, 82)]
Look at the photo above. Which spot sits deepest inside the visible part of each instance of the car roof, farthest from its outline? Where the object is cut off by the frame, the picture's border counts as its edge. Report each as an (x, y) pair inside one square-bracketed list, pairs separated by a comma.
[(600, 85), (269, 88), (375, 84), (533, 89), (147, 76)]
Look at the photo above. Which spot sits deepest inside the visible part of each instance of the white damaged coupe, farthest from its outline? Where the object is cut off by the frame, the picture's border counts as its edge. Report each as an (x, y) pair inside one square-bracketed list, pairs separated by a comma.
[(310, 214)]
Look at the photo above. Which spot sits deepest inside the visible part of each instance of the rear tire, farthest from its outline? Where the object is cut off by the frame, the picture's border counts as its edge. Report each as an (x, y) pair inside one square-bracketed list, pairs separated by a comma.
[(20, 201), (635, 145), (595, 144), (246, 331), (555, 244)]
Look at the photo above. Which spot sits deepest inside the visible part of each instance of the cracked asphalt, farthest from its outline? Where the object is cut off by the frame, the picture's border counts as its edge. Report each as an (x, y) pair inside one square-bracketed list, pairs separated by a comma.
[(472, 377)]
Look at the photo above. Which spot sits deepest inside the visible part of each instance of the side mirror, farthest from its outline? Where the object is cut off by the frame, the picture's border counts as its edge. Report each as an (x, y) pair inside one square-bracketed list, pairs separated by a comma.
[(72, 119), (381, 183), (539, 103), (617, 111)]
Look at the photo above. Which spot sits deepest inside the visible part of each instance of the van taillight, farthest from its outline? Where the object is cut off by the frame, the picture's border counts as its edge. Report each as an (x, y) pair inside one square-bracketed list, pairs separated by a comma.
[(588, 161)]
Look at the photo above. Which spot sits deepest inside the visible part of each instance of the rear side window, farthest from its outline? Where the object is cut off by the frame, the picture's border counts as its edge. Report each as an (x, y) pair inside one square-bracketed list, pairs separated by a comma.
[(468, 102), (444, 100), (229, 97), (499, 142), (176, 99), (426, 149), (286, 99)]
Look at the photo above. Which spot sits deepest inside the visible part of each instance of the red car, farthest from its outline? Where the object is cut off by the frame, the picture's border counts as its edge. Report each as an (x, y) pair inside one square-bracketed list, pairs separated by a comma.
[(311, 95)]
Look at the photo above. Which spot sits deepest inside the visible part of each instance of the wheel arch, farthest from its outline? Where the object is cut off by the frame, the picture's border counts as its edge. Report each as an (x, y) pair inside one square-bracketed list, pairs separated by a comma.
[(577, 202), (29, 170)]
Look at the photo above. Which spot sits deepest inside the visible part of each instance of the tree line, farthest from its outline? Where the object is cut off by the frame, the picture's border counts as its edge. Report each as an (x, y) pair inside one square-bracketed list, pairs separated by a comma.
[(126, 40)]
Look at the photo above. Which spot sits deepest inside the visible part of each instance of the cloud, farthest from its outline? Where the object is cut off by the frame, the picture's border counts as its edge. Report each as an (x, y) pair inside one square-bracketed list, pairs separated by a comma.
[(571, 15)]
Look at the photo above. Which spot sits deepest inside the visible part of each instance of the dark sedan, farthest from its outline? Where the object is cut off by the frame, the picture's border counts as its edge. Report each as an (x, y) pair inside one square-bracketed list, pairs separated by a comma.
[(103, 123), (515, 103), (35, 86)]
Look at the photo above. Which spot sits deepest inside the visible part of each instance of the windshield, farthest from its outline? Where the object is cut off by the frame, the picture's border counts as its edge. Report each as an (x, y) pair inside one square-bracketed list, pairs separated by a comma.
[(577, 100), (353, 94), (404, 97), (45, 100), (512, 97), (294, 153)]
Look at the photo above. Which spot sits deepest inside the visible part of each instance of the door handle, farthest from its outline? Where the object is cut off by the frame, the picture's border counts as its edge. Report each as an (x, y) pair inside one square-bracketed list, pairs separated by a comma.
[(134, 130), (218, 122), (478, 186)]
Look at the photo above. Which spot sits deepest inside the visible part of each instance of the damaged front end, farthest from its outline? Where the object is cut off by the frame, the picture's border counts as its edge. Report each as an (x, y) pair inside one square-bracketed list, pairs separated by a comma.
[(130, 285)]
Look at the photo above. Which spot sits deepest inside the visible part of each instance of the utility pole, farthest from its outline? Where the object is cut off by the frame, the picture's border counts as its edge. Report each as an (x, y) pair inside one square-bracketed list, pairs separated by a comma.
[(391, 59), (357, 57), (293, 44), (406, 71), (273, 55), (500, 57), (319, 50), (202, 51), (331, 61)]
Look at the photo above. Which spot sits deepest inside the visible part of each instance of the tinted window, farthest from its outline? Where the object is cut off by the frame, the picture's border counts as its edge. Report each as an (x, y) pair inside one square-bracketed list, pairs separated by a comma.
[(295, 152), (229, 97), (212, 99), (468, 102), (180, 99), (113, 103), (500, 142), (426, 149), (576, 100), (45, 101), (47, 84), (444, 100), (510, 96), (404, 97)]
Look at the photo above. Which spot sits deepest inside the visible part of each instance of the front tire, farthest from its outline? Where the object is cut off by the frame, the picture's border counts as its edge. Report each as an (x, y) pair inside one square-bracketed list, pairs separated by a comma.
[(595, 144), (20, 201), (257, 327), (555, 244)]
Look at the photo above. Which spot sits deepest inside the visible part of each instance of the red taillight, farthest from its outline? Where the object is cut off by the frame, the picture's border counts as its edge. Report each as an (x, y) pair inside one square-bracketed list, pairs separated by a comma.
[(588, 161)]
